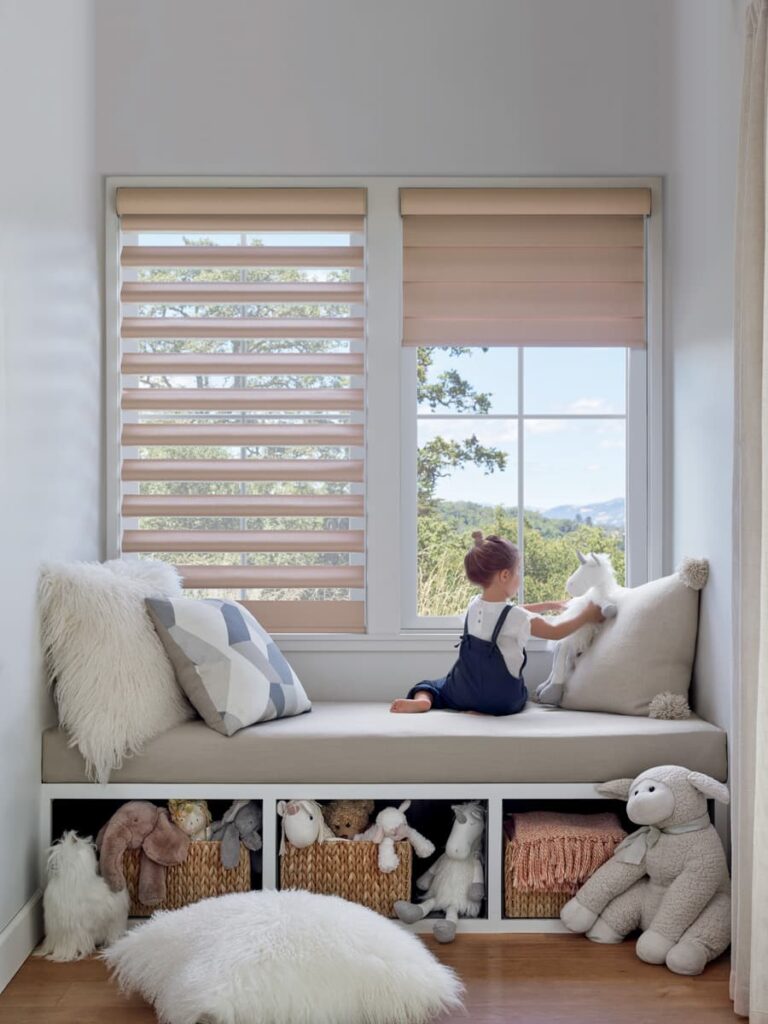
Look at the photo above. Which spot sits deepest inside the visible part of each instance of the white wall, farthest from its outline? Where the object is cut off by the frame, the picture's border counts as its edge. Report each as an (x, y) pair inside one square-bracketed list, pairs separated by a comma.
[(515, 87), (50, 390), (705, 93)]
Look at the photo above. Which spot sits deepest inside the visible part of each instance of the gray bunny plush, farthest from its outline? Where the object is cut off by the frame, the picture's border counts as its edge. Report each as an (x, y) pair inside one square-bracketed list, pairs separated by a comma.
[(241, 824)]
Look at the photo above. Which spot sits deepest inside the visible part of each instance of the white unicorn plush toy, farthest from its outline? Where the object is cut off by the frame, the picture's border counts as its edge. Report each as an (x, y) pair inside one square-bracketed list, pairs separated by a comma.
[(594, 581), (455, 883)]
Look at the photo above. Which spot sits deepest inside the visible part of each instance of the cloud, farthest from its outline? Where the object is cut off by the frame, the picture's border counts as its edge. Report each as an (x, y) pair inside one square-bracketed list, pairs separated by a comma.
[(589, 405)]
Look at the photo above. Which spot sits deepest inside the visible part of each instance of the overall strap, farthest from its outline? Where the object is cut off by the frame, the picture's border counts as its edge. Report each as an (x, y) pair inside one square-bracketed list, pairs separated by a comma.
[(500, 622), (465, 633)]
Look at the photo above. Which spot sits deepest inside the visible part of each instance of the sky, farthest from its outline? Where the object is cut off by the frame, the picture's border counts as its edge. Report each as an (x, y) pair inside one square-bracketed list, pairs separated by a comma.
[(567, 461)]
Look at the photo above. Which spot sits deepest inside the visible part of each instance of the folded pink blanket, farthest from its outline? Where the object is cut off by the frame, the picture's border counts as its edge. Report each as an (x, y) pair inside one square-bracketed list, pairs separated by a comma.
[(553, 852)]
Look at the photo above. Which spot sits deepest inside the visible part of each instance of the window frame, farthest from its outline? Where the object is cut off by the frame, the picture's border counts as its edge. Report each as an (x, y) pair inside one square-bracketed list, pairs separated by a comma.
[(390, 404)]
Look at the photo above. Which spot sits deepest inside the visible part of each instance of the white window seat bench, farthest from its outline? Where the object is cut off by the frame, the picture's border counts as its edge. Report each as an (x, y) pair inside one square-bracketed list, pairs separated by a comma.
[(350, 750)]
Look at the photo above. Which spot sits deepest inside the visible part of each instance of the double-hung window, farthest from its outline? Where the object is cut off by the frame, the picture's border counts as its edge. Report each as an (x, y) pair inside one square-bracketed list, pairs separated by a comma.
[(242, 395), (524, 324)]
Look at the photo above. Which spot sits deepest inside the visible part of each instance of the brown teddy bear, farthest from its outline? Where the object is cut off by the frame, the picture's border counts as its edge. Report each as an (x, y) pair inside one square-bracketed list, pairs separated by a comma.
[(347, 818)]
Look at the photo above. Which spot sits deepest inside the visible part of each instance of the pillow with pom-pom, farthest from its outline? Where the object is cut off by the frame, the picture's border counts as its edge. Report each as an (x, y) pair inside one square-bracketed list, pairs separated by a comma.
[(646, 650)]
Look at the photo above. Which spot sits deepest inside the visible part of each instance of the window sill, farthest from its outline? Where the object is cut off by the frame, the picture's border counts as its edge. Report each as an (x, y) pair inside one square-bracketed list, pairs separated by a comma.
[(406, 642)]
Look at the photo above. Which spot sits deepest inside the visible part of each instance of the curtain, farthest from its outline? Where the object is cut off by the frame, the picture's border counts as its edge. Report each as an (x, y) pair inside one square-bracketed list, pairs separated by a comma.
[(749, 746)]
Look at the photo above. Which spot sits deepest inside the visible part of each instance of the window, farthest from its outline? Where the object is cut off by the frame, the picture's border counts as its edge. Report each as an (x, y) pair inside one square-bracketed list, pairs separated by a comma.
[(521, 424), (242, 360), (320, 388)]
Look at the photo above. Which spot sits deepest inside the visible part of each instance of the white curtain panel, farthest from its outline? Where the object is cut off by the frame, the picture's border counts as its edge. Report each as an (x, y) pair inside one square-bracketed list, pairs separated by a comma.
[(749, 975)]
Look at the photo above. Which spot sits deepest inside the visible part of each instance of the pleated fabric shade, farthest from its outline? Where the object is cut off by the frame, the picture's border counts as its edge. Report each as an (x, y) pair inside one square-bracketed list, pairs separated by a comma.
[(524, 266), (243, 395)]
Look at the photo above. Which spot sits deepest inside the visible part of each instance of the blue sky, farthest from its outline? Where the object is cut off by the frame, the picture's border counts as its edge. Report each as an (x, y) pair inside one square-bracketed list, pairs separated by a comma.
[(566, 461)]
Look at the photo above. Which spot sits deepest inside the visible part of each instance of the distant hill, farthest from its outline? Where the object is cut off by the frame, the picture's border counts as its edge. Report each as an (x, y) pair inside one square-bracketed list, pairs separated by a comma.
[(601, 513), (554, 522)]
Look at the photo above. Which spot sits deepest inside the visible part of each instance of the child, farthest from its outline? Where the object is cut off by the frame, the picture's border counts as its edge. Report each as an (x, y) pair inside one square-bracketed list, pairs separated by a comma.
[(488, 676)]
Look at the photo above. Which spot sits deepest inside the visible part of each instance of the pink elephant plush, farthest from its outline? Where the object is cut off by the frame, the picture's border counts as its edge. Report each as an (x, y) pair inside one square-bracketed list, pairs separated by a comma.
[(141, 825)]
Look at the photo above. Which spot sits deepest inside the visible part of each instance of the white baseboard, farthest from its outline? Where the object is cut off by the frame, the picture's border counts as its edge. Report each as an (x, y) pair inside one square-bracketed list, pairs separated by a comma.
[(19, 937)]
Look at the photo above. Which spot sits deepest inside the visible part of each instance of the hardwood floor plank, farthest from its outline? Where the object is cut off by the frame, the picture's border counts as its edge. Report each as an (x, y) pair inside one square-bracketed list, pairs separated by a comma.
[(510, 979)]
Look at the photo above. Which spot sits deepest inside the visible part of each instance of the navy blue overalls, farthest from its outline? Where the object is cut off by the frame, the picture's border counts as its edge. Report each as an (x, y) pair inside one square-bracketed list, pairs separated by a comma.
[(480, 680)]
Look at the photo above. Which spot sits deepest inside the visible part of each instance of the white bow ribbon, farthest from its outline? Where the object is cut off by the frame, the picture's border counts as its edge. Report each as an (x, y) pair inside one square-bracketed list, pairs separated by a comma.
[(635, 847)]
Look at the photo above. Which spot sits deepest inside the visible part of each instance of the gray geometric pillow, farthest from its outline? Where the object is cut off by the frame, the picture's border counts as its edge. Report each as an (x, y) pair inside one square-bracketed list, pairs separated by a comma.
[(230, 668)]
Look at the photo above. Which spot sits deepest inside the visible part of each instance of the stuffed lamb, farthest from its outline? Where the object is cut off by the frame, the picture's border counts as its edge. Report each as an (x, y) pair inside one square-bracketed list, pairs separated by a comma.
[(391, 826), (668, 878)]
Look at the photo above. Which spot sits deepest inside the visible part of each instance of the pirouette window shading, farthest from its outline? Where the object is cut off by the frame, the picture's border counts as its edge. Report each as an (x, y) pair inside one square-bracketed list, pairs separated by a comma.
[(524, 266), (243, 395)]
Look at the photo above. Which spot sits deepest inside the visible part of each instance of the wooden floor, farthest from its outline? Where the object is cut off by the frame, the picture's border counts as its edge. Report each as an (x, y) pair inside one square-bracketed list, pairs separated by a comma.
[(558, 979)]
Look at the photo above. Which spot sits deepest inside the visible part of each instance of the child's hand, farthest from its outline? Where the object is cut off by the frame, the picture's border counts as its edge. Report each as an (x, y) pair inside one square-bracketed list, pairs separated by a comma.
[(593, 613)]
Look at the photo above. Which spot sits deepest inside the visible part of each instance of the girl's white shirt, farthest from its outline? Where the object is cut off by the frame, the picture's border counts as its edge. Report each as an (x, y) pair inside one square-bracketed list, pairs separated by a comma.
[(482, 617)]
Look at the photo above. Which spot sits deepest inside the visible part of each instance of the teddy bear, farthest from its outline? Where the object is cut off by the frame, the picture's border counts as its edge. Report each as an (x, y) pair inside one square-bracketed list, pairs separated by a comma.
[(348, 818), (669, 878)]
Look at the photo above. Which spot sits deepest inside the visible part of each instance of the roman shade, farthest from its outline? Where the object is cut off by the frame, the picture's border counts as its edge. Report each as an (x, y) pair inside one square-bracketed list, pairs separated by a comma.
[(242, 337), (524, 266)]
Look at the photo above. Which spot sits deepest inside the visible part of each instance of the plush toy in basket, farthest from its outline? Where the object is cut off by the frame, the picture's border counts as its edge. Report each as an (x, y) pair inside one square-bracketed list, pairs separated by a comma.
[(240, 825), (390, 827), (313, 858), (669, 878)]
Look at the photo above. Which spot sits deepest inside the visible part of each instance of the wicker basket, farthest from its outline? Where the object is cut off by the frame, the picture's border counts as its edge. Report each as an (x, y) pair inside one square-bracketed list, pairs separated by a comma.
[(528, 904), (200, 876), (350, 870)]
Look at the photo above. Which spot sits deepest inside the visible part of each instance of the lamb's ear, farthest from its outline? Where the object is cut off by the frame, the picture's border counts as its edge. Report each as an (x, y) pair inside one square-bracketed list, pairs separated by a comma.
[(404, 806), (582, 558), (281, 805), (711, 788), (617, 787), (595, 559)]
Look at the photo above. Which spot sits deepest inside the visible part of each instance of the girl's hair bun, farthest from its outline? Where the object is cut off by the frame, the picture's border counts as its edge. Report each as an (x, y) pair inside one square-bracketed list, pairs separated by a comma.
[(477, 537)]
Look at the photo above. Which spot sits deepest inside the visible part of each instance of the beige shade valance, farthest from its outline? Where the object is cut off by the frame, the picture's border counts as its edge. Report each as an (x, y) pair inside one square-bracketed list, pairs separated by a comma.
[(241, 209), (524, 266)]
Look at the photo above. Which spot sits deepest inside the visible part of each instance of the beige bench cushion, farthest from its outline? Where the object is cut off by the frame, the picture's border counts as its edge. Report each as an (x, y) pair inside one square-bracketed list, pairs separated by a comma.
[(338, 743)]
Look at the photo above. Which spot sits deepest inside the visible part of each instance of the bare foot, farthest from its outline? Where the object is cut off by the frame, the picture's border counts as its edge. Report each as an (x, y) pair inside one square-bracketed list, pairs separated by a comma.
[(403, 706)]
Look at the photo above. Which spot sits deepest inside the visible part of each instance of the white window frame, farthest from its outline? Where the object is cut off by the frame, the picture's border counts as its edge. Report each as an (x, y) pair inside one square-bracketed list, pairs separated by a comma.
[(391, 404)]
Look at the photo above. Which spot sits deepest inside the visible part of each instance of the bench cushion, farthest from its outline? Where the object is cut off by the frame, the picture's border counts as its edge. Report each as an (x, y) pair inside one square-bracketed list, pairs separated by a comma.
[(363, 742)]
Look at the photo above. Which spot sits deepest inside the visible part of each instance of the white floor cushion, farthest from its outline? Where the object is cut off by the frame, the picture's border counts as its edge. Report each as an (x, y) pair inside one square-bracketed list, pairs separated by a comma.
[(282, 958)]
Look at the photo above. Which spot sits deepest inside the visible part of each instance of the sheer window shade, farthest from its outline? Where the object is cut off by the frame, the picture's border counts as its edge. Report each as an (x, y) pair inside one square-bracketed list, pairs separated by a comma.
[(524, 266), (243, 395)]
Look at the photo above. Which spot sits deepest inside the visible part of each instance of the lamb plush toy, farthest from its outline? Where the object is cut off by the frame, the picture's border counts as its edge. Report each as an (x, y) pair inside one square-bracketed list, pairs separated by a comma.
[(668, 878), (390, 826)]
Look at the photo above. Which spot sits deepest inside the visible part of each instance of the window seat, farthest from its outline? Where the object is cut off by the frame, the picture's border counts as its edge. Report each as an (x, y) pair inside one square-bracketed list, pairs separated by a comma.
[(363, 743)]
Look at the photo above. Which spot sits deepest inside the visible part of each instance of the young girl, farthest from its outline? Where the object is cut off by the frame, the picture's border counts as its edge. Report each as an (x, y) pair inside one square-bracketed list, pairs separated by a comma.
[(488, 677)]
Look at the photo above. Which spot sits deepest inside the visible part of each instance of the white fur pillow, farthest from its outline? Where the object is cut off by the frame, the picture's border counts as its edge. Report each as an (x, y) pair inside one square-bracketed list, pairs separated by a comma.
[(114, 685), (646, 650), (280, 958)]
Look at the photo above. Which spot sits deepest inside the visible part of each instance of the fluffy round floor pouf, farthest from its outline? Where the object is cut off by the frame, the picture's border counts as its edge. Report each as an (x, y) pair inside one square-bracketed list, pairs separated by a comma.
[(282, 958)]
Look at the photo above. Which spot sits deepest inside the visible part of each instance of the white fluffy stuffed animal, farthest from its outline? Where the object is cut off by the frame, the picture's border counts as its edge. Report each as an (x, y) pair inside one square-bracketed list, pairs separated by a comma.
[(303, 824), (390, 827), (669, 878), (594, 581), (81, 911)]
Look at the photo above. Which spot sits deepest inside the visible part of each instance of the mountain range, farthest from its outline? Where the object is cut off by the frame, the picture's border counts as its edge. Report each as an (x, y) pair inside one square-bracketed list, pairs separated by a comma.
[(601, 513)]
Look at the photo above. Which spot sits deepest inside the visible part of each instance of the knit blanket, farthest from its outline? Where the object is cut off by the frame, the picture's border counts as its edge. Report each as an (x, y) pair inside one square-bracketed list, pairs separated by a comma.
[(554, 852)]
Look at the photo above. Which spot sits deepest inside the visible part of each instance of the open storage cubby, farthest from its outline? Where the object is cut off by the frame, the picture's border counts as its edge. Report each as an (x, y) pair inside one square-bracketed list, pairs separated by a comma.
[(433, 818), (545, 908), (200, 873)]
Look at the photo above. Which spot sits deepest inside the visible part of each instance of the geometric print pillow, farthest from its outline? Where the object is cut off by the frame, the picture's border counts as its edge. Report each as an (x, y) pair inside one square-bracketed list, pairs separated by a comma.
[(229, 667)]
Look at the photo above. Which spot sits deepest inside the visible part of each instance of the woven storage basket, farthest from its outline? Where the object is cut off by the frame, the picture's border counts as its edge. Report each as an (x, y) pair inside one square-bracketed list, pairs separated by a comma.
[(350, 870), (528, 904), (200, 876)]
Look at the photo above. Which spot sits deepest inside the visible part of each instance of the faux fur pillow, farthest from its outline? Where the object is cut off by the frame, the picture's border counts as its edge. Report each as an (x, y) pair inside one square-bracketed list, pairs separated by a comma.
[(114, 685), (646, 650)]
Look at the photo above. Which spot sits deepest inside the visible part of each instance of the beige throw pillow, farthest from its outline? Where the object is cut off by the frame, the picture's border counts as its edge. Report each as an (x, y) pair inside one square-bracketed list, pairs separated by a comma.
[(647, 649)]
